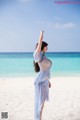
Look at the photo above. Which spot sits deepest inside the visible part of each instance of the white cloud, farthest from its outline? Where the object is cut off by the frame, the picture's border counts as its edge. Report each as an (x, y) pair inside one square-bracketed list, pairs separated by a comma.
[(58, 25), (64, 25)]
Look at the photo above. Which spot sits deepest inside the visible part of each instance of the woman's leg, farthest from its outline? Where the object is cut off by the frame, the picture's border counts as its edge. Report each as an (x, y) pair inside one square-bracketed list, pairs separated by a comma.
[(43, 94), (41, 111)]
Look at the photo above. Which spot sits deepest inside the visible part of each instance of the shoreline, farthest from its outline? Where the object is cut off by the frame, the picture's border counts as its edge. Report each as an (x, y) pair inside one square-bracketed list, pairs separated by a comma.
[(33, 77), (35, 74)]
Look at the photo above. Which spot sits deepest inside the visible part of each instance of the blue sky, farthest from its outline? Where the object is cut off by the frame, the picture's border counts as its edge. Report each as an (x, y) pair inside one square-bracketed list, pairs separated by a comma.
[(22, 20)]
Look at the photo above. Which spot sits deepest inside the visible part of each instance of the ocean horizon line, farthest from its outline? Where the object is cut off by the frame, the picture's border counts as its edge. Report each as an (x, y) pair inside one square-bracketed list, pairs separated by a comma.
[(33, 51)]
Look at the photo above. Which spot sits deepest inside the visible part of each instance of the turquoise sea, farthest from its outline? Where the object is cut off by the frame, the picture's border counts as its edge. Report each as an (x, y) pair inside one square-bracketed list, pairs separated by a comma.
[(21, 64)]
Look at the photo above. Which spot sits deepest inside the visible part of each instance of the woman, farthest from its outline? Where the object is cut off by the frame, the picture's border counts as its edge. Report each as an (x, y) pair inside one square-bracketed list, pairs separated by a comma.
[(41, 84)]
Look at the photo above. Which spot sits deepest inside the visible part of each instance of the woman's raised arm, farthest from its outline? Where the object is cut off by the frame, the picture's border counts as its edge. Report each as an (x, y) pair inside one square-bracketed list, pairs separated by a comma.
[(38, 49)]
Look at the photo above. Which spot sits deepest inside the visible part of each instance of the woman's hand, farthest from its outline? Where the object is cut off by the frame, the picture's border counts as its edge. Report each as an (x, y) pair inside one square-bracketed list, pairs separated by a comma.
[(41, 32), (49, 84)]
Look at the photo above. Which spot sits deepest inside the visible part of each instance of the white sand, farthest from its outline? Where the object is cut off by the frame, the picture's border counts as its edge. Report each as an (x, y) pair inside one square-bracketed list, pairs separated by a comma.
[(17, 98)]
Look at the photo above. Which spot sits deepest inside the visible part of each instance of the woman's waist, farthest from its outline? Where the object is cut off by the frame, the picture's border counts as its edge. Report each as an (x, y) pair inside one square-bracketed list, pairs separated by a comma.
[(42, 78), (40, 81)]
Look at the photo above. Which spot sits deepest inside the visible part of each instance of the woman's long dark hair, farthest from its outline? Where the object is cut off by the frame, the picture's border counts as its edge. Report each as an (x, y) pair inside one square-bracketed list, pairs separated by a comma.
[(36, 66)]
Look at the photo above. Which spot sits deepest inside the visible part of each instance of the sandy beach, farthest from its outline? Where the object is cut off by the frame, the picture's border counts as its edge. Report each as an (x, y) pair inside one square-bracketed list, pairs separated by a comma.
[(17, 98)]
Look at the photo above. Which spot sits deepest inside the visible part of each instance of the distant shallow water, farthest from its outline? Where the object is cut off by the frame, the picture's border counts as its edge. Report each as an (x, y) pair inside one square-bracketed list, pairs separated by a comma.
[(21, 64)]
